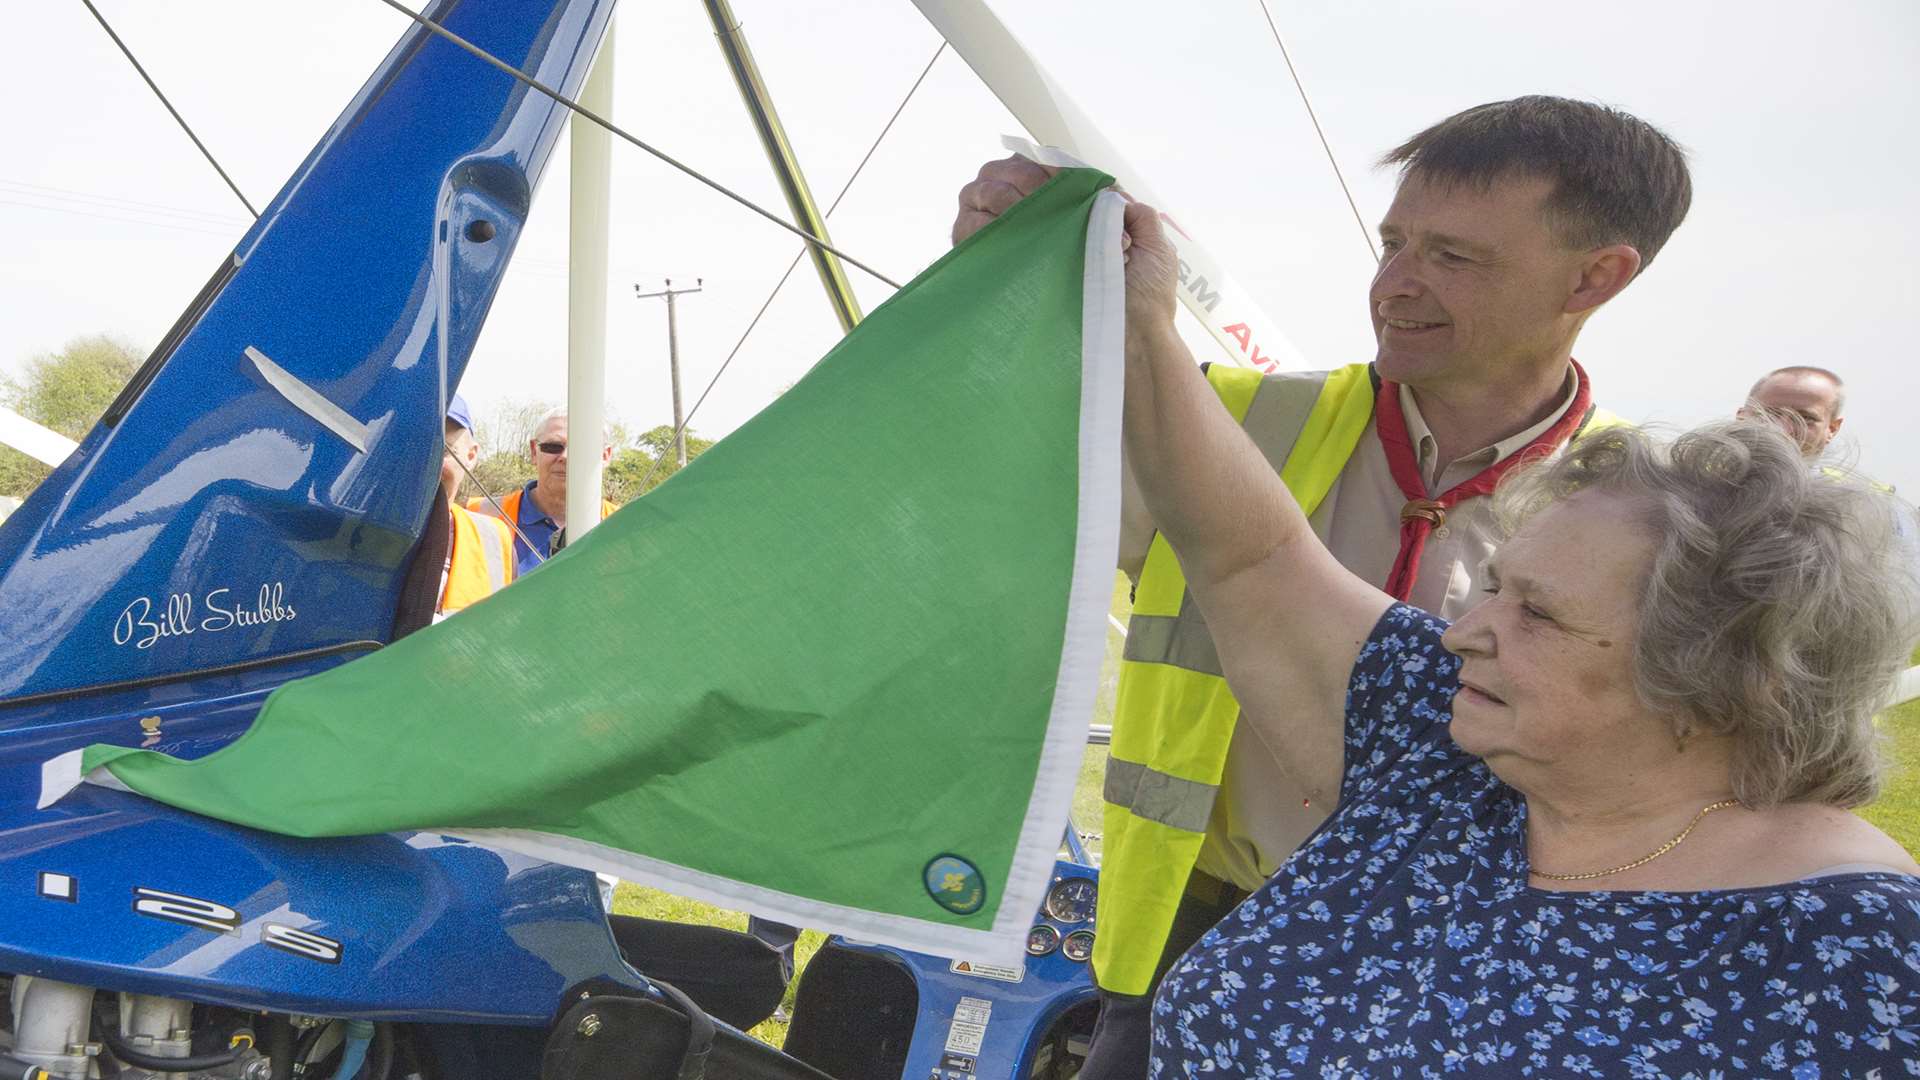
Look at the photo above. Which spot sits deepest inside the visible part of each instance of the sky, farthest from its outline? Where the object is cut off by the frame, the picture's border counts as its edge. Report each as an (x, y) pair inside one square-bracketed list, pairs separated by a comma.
[(1800, 120)]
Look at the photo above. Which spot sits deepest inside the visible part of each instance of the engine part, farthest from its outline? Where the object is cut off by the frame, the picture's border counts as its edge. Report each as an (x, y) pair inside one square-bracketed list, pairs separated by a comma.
[(155, 1035), (51, 1026)]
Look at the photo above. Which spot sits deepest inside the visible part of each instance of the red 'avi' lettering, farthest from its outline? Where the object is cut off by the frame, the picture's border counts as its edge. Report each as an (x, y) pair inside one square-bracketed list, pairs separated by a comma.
[(1243, 334)]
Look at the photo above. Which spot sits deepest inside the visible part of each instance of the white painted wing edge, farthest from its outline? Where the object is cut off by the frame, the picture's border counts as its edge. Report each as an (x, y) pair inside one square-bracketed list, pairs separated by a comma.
[(1050, 116), (41, 444)]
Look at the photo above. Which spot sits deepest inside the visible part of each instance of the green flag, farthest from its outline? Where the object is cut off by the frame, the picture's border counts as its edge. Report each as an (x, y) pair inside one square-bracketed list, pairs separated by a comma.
[(838, 671)]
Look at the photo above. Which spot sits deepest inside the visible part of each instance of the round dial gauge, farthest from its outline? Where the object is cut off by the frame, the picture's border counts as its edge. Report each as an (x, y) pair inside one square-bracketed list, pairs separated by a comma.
[(1042, 939), (1071, 901), (1078, 946)]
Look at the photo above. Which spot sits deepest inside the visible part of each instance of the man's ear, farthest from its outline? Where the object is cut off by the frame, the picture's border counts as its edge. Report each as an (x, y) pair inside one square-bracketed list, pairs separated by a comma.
[(1603, 273)]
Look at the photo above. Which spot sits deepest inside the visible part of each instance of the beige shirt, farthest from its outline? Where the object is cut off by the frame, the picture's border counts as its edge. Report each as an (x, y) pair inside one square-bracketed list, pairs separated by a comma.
[(1261, 814)]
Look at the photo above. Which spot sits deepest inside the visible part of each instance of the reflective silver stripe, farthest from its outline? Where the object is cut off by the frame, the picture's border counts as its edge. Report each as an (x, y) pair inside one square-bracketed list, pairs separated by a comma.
[(1181, 640), (1156, 796), (1279, 410), (1275, 418), (492, 536)]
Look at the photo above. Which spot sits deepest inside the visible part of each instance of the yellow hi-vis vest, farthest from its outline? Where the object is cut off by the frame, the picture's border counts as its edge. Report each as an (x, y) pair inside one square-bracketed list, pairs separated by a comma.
[(1174, 716), (480, 562)]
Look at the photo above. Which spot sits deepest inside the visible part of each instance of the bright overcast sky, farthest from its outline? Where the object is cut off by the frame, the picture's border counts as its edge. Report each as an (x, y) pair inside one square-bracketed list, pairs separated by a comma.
[(1800, 119)]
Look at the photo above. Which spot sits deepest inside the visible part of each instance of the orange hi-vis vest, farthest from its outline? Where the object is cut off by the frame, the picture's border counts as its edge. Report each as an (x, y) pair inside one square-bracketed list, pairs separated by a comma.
[(510, 507), (480, 562)]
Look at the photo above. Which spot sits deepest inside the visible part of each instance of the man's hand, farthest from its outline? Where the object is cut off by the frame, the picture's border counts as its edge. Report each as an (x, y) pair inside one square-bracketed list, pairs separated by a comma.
[(999, 185)]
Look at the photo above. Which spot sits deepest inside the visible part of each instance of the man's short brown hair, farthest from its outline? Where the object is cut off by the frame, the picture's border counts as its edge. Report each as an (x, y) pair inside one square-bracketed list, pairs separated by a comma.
[(1616, 178)]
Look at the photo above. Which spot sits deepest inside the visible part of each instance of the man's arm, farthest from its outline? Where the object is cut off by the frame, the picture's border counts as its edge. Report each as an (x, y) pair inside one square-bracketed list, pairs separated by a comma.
[(992, 193), (1287, 618)]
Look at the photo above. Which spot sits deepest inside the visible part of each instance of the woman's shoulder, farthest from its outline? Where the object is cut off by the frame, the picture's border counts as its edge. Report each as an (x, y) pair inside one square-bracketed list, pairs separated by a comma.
[(1398, 710), (1404, 657), (1804, 842)]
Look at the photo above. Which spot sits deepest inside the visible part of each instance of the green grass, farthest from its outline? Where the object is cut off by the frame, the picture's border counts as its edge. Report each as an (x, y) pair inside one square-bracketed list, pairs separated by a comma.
[(1897, 811)]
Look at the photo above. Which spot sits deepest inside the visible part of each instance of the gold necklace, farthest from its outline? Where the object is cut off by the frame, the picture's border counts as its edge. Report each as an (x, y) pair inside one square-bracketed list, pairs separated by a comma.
[(1644, 859)]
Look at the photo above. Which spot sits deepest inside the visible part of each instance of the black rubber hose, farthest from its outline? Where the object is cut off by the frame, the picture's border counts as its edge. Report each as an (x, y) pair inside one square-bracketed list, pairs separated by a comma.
[(129, 1056), (280, 1047), (304, 1046)]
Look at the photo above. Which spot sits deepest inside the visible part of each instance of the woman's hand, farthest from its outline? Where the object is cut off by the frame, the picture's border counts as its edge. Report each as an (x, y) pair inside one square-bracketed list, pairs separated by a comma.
[(1152, 269)]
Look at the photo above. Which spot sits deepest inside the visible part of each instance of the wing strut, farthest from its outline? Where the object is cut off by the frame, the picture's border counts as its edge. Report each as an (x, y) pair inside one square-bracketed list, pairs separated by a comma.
[(786, 166)]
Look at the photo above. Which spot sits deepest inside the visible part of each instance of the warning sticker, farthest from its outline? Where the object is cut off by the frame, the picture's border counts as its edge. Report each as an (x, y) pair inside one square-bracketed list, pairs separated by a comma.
[(977, 969), (970, 1016)]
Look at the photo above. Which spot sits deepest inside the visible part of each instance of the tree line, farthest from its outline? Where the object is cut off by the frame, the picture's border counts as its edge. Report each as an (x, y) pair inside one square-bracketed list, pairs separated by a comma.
[(68, 390)]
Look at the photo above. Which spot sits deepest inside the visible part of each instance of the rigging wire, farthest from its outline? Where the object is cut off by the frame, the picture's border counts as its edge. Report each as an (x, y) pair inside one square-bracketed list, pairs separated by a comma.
[(204, 152), (686, 423), (1337, 174), (615, 129)]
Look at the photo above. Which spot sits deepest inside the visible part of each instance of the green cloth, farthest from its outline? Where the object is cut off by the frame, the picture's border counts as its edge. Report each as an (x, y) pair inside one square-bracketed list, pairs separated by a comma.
[(834, 649)]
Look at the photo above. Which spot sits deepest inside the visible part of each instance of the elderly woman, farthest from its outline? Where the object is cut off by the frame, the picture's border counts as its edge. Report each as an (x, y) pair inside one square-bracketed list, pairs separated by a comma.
[(1597, 827)]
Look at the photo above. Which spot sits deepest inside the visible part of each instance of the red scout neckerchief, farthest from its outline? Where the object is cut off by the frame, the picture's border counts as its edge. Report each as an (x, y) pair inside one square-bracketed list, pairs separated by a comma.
[(1422, 515)]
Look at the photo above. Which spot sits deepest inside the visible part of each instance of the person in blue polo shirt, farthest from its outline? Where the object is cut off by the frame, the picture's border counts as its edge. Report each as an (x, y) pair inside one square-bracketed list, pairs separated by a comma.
[(539, 510)]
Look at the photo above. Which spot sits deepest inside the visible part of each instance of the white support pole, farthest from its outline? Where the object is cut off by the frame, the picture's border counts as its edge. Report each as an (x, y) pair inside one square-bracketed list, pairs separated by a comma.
[(592, 156), (1051, 117)]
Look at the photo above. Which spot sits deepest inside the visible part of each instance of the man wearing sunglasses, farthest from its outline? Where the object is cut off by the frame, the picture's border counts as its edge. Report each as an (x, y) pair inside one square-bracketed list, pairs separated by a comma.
[(539, 510)]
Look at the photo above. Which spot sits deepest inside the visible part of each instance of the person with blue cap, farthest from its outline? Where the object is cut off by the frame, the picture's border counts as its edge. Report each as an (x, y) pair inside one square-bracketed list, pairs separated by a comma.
[(480, 558)]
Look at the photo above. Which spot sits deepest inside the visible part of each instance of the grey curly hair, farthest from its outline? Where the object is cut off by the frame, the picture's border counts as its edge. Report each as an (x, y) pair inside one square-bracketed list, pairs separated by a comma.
[(1778, 609)]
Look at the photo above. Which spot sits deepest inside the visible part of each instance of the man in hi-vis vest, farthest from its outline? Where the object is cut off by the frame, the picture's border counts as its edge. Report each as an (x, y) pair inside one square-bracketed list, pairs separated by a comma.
[(480, 557), (1513, 223), (538, 511)]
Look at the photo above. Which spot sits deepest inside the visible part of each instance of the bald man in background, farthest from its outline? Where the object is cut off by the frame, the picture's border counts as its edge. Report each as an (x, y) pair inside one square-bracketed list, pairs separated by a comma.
[(1803, 401)]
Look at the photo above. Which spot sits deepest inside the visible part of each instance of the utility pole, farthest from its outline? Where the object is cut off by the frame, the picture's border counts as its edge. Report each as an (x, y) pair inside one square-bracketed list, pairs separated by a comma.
[(673, 361)]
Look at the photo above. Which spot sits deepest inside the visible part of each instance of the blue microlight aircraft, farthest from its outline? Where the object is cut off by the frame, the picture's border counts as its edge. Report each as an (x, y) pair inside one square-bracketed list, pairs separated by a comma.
[(253, 509)]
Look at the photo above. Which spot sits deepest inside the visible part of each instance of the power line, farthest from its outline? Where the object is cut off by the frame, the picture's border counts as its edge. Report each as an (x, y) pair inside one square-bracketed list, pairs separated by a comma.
[(182, 226), (1365, 232), (795, 264), (208, 154), (42, 191), (614, 129)]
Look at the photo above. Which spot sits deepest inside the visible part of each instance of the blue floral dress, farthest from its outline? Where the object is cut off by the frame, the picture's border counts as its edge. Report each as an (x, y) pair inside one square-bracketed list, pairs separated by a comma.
[(1402, 940)]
